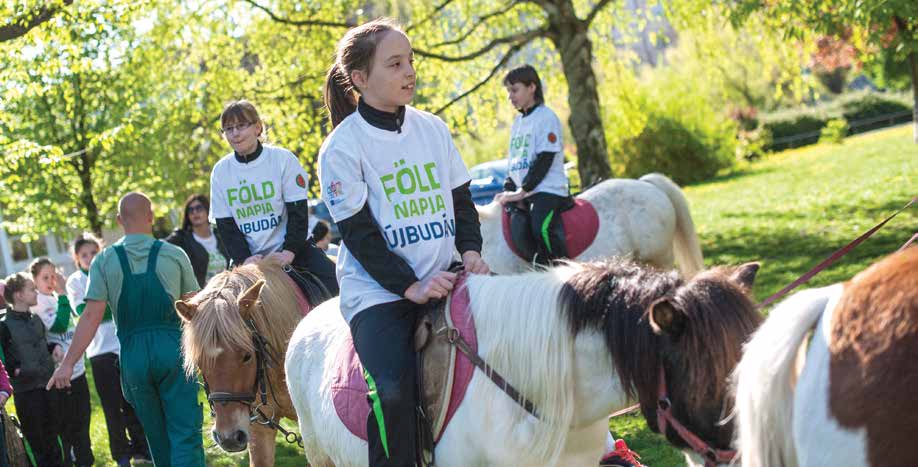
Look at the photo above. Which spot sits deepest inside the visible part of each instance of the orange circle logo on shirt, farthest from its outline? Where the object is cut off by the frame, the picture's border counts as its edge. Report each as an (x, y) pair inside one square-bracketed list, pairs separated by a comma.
[(301, 181), (552, 138)]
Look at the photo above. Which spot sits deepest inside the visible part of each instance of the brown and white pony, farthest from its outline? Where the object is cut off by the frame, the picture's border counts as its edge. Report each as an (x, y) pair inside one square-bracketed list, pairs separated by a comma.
[(217, 340), (830, 377), (580, 341)]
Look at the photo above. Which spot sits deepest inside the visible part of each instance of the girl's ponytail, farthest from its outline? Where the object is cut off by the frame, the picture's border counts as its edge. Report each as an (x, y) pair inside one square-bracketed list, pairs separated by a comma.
[(340, 98), (355, 53)]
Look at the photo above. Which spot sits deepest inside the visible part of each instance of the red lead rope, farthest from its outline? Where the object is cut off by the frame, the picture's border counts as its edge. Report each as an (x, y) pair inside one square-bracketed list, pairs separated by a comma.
[(834, 257), (665, 417)]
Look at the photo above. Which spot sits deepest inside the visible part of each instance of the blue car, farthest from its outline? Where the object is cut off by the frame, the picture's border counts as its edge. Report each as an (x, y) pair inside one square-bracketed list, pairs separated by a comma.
[(487, 180), (318, 209)]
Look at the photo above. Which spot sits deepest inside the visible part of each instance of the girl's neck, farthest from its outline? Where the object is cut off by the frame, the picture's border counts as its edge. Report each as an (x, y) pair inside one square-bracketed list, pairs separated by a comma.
[(20, 307), (202, 230)]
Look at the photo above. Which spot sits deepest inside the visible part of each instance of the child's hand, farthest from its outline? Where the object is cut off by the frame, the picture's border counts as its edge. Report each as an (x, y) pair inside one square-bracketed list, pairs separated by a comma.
[(252, 259), (16, 373), (437, 286), (474, 264), (284, 256), (58, 354), (59, 282)]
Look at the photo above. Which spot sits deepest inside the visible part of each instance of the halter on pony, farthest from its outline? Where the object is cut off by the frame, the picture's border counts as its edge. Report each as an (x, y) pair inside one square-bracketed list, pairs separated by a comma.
[(263, 359), (711, 455)]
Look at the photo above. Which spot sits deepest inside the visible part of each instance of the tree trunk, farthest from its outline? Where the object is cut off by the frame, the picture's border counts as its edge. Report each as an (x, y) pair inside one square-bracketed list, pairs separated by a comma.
[(569, 35), (86, 198), (913, 70)]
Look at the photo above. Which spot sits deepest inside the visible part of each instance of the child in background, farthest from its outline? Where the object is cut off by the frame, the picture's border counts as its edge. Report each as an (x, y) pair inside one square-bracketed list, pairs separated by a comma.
[(53, 308), (27, 354), (126, 438)]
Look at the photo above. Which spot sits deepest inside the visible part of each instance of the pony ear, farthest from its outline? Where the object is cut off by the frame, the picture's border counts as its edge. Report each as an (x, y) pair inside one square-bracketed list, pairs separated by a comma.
[(745, 274), (666, 319), (248, 298), (186, 310)]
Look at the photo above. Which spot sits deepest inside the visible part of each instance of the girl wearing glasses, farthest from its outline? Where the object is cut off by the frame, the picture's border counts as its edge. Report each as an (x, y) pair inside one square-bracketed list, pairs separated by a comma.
[(258, 198), (207, 253)]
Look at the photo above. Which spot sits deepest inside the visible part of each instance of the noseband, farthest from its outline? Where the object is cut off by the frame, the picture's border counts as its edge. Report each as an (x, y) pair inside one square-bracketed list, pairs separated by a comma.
[(263, 360), (665, 417)]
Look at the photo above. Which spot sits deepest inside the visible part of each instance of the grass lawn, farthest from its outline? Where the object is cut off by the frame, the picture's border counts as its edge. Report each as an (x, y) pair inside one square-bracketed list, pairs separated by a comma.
[(788, 211)]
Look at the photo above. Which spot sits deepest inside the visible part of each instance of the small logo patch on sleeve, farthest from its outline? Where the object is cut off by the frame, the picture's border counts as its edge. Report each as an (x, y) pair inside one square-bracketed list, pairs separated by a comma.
[(552, 138), (301, 181)]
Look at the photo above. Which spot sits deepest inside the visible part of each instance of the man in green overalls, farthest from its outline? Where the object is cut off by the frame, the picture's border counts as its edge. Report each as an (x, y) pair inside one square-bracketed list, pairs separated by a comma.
[(141, 278)]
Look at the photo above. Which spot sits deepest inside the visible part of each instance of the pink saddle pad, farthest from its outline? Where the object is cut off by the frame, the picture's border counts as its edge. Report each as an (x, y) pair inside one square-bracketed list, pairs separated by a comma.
[(581, 225), (349, 388)]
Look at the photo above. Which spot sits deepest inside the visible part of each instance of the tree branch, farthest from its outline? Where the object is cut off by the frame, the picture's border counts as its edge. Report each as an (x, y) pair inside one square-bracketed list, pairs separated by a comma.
[(427, 18), (474, 27), (516, 39), (503, 61), (17, 27), (299, 23), (595, 11)]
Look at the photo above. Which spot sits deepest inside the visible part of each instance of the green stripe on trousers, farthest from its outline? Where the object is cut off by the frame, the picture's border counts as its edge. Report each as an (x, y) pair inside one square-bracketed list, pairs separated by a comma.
[(377, 410)]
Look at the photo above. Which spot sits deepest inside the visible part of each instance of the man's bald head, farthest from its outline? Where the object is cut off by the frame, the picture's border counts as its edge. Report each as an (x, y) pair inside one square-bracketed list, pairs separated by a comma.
[(135, 213)]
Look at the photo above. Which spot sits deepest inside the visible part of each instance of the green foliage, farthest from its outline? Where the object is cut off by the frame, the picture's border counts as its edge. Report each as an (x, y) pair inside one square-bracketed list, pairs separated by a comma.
[(834, 132), (657, 124), (865, 105), (856, 109)]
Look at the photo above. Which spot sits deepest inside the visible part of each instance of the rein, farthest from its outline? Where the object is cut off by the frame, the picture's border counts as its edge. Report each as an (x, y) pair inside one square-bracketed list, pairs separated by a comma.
[(665, 417), (263, 360)]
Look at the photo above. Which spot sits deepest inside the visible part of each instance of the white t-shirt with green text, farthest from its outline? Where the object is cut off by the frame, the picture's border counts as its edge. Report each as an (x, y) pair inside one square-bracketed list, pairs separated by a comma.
[(407, 179), (216, 262), (538, 132), (254, 194)]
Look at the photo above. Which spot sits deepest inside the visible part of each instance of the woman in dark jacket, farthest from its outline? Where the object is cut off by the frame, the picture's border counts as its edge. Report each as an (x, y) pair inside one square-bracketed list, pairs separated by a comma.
[(205, 250)]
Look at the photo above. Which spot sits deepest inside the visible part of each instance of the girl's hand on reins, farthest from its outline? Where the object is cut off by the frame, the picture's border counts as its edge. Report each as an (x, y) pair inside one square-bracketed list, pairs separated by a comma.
[(435, 287), (474, 263)]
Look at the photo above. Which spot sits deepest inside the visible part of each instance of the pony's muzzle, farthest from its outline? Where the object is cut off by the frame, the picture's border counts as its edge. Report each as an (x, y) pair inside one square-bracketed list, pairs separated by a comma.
[(237, 440)]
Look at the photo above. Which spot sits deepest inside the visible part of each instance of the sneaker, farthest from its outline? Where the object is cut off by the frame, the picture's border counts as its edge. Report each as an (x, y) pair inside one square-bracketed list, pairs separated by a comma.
[(621, 457)]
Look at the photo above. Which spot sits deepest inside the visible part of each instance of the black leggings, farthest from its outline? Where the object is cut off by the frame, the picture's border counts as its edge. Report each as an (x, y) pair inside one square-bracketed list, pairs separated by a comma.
[(75, 423), (384, 339), (314, 260), (120, 419), (547, 227), (40, 413)]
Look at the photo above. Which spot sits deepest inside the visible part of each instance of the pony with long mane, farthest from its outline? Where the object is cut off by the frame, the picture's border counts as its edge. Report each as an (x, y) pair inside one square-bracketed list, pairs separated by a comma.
[(218, 339), (830, 376), (579, 341), (646, 219)]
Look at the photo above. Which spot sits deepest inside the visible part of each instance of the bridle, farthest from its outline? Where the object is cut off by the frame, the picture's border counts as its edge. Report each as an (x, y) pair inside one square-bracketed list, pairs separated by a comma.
[(259, 393), (665, 417)]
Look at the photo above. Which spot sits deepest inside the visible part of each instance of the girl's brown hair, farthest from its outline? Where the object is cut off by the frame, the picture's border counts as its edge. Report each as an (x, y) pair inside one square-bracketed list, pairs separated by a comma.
[(355, 53), (13, 284), (84, 239), (35, 266), (241, 111), (527, 75)]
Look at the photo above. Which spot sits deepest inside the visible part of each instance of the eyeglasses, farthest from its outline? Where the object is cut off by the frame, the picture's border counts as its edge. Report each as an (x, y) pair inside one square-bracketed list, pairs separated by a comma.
[(197, 208), (239, 127)]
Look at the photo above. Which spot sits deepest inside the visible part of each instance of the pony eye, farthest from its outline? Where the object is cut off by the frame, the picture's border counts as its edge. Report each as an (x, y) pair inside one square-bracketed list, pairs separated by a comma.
[(247, 358)]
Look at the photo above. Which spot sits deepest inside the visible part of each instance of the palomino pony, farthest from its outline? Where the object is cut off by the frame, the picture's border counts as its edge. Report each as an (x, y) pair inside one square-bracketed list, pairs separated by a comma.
[(580, 341), (218, 340), (646, 219), (845, 395)]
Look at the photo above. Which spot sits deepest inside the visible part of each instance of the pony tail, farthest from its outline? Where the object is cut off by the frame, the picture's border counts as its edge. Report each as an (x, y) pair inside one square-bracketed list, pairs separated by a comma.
[(339, 95)]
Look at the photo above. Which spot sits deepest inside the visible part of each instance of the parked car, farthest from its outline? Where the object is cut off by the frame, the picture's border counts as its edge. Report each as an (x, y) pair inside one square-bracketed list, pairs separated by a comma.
[(487, 180), (318, 209)]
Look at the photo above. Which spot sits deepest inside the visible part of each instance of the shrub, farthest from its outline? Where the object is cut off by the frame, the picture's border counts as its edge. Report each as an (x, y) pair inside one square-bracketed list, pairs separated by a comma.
[(794, 127), (834, 132), (752, 145), (865, 111), (668, 146)]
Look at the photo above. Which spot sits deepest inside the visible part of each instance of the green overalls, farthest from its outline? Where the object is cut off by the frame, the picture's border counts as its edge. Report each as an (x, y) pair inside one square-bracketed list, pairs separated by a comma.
[(165, 400)]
